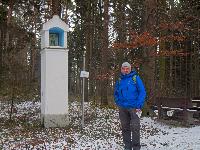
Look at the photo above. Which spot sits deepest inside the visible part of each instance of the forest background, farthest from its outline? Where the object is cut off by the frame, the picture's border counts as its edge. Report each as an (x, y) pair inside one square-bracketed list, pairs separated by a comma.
[(161, 39)]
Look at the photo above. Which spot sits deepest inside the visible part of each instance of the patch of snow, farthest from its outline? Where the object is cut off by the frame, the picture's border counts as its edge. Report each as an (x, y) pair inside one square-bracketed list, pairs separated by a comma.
[(102, 131)]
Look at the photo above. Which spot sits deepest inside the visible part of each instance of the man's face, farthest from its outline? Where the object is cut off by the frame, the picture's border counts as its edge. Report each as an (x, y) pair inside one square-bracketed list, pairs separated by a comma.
[(125, 70)]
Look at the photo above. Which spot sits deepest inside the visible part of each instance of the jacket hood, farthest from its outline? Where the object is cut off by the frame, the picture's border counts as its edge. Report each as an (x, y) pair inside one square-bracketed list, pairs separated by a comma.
[(132, 73)]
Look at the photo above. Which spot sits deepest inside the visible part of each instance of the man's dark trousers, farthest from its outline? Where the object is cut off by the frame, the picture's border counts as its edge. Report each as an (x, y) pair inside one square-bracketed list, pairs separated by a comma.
[(130, 123)]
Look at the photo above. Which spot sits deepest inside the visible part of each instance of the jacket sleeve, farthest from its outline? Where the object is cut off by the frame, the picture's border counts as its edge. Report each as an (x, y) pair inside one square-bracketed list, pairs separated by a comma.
[(141, 91), (116, 94)]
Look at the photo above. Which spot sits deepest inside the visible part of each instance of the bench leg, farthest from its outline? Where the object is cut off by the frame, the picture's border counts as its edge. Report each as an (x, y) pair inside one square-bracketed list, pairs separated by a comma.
[(188, 117), (162, 113)]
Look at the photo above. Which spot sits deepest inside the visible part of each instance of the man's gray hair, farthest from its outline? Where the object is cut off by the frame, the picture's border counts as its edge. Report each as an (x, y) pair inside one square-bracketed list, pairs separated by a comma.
[(126, 64)]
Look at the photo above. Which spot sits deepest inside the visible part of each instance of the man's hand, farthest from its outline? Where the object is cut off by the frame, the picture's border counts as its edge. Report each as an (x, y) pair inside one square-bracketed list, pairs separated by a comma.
[(138, 112)]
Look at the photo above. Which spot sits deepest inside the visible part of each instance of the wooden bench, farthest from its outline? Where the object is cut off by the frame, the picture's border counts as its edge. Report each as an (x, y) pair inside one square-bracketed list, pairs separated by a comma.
[(196, 102), (196, 105), (182, 108)]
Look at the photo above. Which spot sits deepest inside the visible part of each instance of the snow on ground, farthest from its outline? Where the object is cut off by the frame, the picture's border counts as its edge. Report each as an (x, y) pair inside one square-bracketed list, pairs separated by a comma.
[(101, 132)]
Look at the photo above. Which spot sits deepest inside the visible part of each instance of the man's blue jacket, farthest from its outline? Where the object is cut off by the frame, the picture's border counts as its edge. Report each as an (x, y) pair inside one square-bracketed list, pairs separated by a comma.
[(129, 91)]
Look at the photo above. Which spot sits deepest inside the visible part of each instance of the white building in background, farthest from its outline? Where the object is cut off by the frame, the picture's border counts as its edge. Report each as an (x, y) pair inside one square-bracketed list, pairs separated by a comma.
[(54, 73)]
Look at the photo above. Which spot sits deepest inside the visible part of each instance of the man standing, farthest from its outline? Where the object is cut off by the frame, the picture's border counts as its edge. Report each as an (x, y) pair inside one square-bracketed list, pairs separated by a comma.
[(129, 96)]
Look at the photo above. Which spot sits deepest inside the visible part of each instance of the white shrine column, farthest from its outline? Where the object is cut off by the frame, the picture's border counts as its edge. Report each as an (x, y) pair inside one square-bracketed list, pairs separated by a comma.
[(54, 73)]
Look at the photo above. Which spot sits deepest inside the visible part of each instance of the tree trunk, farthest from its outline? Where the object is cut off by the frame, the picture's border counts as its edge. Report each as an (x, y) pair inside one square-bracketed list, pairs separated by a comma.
[(56, 7), (104, 55), (149, 63), (9, 15)]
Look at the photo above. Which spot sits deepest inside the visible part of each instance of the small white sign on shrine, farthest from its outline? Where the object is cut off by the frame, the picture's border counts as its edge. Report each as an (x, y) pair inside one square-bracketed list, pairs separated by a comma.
[(84, 74), (54, 73)]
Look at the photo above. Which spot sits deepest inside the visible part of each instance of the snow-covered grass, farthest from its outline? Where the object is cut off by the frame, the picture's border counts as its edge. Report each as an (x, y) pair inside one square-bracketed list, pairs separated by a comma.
[(101, 132)]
